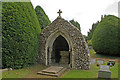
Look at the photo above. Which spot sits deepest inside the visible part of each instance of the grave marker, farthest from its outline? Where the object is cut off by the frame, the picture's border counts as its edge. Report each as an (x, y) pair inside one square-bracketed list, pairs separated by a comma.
[(92, 61), (100, 61), (111, 62), (104, 72)]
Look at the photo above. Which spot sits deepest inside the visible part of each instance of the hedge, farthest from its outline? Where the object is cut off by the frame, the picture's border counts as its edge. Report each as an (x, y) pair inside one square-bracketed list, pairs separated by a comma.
[(42, 17), (105, 37), (20, 34)]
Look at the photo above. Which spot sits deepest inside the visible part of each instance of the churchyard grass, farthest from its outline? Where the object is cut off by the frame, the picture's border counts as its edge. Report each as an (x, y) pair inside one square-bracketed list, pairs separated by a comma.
[(15, 73), (114, 71), (31, 72), (92, 73)]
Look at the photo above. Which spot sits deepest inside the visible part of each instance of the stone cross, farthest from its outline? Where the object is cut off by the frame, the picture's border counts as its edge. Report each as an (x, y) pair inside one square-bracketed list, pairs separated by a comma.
[(59, 12)]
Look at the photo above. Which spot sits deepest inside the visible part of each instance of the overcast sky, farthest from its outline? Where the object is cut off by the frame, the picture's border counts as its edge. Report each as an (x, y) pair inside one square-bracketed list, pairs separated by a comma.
[(86, 12)]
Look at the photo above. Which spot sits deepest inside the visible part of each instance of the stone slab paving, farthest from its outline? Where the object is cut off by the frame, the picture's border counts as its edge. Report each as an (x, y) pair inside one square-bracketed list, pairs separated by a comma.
[(52, 71)]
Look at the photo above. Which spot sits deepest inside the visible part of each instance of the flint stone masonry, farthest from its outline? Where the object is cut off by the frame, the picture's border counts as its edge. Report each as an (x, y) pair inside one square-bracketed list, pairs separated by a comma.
[(78, 49)]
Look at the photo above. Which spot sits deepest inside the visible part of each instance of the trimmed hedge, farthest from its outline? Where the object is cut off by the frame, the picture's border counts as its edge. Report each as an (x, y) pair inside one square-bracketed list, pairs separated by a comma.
[(42, 17), (105, 37), (20, 34)]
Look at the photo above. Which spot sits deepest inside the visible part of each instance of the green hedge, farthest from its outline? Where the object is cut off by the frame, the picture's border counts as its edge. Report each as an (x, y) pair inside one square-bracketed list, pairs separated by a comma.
[(42, 17), (20, 34), (105, 37)]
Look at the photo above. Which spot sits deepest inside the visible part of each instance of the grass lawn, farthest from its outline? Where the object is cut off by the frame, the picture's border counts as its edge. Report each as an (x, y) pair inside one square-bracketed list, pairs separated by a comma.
[(92, 73), (82, 73), (29, 72)]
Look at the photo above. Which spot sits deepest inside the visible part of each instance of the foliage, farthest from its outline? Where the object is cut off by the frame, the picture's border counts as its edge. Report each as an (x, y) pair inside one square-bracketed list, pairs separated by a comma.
[(90, 33), (42, 17), (0, 33), (118, 30), (76, 24), (105, 37), (92, 52), (89, 42), (20, 34)]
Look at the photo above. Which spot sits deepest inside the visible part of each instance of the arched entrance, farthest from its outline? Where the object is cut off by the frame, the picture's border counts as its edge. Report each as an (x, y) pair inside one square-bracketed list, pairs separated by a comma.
[(59, 49), (60, 54)]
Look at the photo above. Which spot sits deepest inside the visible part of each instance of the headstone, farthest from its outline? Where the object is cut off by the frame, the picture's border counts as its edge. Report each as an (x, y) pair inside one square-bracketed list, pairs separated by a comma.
[(92, 61), (104, 72), (100, 61), (111, 62), (104, 67), (10, 69)]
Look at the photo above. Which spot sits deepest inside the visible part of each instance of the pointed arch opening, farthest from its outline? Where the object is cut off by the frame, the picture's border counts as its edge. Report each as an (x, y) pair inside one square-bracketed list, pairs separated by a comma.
[(60, 52), (59, 49)]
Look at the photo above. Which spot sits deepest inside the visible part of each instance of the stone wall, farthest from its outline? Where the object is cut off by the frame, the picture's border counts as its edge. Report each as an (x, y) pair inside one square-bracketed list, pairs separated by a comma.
[(78, 46)]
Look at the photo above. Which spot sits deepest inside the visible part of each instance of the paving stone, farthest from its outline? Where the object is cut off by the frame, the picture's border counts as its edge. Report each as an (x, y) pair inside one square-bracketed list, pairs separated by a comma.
[(53, 71)]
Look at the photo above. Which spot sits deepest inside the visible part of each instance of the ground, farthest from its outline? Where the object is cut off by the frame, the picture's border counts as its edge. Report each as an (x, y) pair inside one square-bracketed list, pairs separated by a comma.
[(31, 72)]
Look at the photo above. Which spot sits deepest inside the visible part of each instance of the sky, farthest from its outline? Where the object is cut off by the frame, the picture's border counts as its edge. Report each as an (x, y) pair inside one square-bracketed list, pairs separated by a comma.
[(86, 12)]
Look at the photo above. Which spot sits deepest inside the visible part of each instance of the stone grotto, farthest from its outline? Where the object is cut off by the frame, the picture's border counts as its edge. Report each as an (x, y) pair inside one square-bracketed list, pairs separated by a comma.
[(61, 43)]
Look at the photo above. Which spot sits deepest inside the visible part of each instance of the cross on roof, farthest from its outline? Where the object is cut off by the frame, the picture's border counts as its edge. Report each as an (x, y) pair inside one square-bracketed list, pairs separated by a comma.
[(59, 12)]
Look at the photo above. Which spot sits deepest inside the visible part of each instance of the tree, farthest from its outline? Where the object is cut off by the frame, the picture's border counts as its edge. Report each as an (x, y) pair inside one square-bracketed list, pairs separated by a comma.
[(42, 17), (20, 34), (90, 33), (75, 23), (105, 37)]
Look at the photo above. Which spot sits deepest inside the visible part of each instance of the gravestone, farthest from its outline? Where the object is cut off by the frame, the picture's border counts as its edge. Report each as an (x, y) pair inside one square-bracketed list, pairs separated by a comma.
[(104, 67), (104, 72), (92, 61), (111, 62), (100, 61)]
